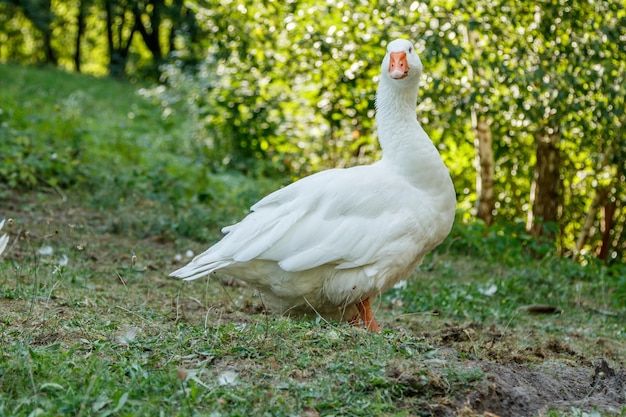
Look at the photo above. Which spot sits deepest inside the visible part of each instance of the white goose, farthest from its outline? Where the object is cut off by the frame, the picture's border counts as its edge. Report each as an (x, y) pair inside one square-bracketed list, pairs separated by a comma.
[(328, 243)]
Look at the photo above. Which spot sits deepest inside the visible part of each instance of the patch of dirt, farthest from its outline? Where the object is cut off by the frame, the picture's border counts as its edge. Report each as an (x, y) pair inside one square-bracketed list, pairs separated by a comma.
[(516, 380), (512, 390), (524, 391)]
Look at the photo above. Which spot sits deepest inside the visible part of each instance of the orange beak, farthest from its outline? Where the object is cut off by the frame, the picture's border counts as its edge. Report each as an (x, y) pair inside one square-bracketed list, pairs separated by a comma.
[(398, 65)]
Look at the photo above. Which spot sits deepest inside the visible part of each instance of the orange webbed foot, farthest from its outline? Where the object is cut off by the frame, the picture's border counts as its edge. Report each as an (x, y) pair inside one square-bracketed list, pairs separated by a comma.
[(367, 316)]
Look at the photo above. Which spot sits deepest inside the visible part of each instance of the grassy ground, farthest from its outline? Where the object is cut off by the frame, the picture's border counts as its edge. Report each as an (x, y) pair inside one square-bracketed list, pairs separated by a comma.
[(91, 325)]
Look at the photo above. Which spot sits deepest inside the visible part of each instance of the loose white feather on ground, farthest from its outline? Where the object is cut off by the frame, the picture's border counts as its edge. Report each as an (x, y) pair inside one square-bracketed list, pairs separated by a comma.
[(4, 239)]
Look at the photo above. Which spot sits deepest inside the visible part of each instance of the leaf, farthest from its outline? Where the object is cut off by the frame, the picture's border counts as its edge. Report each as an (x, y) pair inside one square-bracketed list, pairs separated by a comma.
[(101, 402), (121, 402), (54, 385)]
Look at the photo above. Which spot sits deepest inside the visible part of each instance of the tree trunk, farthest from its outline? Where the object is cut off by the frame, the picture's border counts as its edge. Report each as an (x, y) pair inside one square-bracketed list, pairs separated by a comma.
[(118, 47), (599, 200), (51, 57), (484, 161), (608, 216), (150, 32), (43, 22), (80, 32), (485, 202), (589, 220), (545, 196), (619, 239), (41, 16)]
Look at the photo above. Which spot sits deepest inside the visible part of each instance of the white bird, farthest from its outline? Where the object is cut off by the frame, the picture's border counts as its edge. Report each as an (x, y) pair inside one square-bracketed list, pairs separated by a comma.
[(328, 243), (4, 239)]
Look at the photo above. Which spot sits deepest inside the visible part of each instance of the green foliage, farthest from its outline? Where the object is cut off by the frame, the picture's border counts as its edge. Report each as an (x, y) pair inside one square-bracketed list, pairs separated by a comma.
[(119, 38), (505, 242), (284, 89), (253, 114), (62, 131)]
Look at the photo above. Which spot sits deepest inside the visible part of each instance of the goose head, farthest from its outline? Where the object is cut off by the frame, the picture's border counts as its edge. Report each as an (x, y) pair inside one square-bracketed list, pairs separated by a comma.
[(401, 61)]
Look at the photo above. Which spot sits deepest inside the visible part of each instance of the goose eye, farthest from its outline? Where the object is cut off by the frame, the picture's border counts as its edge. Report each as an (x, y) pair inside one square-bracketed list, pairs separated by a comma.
[(410, 49)]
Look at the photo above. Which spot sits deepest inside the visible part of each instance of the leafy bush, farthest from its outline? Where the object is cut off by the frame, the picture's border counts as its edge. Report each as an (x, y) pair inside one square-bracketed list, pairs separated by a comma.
[(506, 242)]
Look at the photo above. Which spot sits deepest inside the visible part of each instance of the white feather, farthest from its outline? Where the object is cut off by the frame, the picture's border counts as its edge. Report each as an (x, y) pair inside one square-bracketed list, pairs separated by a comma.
[(4, 239)]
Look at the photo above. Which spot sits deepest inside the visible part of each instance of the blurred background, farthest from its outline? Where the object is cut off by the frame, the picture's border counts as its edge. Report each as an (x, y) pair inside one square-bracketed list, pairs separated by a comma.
[(525, 101)]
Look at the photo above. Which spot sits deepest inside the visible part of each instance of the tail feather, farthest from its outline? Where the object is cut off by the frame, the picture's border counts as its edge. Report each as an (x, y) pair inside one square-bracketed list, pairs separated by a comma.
[(195, 270)]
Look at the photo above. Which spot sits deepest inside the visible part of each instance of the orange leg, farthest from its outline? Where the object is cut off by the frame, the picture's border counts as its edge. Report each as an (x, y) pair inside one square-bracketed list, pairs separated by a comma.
[(367, 316)]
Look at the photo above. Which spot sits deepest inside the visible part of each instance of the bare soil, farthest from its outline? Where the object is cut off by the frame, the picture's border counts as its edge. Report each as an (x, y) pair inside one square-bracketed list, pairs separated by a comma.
[(546, 378), (519, 390)]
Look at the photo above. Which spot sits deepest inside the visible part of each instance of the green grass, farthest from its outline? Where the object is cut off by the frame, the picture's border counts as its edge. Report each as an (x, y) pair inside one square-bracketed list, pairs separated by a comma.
[(65, 129), (110, 334), (96, 328)]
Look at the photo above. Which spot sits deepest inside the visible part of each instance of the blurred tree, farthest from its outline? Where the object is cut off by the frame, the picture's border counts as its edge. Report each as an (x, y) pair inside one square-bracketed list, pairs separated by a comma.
[(40, 14), (81, 26), (148, 21), (120, 29), (165, 27)]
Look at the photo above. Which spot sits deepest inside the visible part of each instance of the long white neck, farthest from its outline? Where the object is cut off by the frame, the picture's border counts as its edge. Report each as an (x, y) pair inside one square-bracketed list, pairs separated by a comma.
[(407, 149)]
